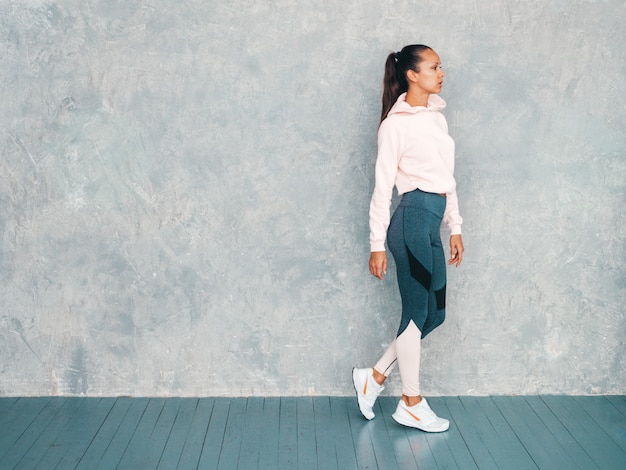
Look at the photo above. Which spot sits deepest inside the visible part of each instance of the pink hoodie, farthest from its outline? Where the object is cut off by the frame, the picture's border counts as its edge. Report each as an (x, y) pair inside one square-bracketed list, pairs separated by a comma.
[(414, 151)]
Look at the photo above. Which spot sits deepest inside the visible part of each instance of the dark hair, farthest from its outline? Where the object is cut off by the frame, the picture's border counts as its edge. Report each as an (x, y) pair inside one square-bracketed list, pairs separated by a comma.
[(396, 66)]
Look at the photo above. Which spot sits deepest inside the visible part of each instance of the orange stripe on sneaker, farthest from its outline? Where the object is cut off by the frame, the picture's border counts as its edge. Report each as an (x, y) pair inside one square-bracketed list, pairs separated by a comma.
[(412, 415), (365, 388)]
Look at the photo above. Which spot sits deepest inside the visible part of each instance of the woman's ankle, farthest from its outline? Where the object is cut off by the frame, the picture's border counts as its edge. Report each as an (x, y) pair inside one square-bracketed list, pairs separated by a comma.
[(411, 401), (378, 377)]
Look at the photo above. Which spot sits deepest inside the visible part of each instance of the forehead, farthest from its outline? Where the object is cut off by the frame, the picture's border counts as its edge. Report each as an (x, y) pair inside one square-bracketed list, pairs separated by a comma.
[(430, 56)]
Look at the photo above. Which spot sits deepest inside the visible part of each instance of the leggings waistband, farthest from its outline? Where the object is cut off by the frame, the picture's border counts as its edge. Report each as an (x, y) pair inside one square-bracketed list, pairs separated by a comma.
[(419, 197)]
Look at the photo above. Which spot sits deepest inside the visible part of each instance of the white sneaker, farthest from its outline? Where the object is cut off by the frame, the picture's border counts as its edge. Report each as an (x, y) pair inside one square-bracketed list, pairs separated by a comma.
[(367, 390), (420, 416)]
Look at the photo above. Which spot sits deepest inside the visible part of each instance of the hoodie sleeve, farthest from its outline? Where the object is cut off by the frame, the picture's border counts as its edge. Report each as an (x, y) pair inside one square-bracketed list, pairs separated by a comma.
[(386, 170), (451, 217)]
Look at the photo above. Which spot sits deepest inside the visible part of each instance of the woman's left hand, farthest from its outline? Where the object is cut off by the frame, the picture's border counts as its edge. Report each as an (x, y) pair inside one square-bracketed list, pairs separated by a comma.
[(456, 250)]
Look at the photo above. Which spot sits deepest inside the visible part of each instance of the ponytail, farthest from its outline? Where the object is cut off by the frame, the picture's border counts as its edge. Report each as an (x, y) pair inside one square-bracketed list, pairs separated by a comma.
[(391, 86), (395, 82)]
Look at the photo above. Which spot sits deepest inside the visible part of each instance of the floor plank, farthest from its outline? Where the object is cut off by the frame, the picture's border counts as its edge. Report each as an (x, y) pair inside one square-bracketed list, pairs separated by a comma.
[(307, 455), (269, 438), (325, 431), (287, 436), (233, 434), (344, 446), (215, 434), (252, 433), (196, 437), (180, 430)]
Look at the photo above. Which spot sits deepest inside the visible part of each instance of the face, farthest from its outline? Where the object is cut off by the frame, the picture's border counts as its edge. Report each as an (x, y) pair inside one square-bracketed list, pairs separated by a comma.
[(430, 77)]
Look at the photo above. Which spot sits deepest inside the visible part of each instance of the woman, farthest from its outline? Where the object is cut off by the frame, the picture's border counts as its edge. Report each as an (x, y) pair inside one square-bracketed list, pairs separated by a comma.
[(416, 154)]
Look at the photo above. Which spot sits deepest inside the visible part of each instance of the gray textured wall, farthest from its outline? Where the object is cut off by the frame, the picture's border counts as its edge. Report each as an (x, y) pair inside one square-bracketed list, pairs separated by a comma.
[(184, 190)]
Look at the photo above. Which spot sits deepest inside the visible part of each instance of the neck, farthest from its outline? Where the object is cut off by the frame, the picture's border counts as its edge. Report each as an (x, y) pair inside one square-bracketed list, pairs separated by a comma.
[(415, 98)]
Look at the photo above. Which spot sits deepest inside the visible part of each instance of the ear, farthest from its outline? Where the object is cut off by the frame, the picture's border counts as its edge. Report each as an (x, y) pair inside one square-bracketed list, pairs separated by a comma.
[(411, 75)]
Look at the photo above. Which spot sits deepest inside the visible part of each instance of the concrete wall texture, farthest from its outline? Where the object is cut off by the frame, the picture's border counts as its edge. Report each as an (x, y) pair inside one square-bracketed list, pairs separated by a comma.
[(184, 190)]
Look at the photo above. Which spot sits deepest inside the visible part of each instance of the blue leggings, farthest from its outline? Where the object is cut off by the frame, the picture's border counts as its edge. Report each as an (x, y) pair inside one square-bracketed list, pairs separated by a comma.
[(414, 241)]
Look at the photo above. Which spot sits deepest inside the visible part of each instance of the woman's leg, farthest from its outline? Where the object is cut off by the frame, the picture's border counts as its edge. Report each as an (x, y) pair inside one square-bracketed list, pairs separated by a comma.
[(409, 242)]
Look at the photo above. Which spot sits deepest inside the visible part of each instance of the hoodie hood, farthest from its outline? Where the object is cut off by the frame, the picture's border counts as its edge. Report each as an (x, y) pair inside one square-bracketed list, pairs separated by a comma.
[(435, 103)]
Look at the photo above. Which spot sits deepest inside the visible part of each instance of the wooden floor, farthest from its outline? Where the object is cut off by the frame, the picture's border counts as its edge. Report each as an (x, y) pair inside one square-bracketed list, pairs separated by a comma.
[(546, 432)]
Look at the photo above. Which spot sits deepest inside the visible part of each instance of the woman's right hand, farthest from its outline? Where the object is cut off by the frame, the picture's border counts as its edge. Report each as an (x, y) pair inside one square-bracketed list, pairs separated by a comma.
[(378, 264)]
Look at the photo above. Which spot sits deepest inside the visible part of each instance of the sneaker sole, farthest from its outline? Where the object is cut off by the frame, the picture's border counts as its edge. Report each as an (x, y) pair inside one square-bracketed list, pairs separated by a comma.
[(357, 395), (416, 425)]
